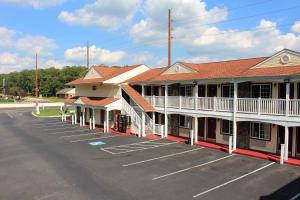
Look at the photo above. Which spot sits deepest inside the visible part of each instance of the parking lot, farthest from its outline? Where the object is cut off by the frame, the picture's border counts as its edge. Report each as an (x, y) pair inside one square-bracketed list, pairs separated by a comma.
[(48, 159)]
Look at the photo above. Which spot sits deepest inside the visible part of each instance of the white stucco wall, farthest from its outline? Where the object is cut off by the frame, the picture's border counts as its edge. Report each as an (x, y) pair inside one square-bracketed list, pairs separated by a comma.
[(101, 91)]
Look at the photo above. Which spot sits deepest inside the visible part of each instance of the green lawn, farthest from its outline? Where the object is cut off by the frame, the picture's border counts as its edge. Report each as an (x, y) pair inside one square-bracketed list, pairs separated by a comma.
[(50, 112), (6, 101), (54, 99)]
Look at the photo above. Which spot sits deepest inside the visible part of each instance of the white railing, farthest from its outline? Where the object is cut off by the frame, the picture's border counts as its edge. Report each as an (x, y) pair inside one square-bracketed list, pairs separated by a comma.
[(135, 118), (243, 105), (148, 123), (159, 129), (247, 105), (206, 103), (223, 104), (294, 107), (188, 102)]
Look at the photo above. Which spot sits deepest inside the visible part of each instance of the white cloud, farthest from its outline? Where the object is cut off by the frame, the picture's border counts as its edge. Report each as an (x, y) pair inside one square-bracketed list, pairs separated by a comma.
[(10, 62), (56, 63), (102, 13), (142, 58), (6, 36), (36, 44), (97, 55), (296, 27), (195, 29), (34, 3)]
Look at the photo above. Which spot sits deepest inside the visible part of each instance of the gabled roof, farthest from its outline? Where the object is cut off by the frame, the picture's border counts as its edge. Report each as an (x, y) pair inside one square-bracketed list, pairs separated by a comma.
[(137, 98), (148, 75), (66, 91), (99, 102), (105, 72)]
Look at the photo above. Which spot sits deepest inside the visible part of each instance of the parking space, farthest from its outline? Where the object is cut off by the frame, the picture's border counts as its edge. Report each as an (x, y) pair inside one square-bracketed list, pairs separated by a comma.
[(154, 168)]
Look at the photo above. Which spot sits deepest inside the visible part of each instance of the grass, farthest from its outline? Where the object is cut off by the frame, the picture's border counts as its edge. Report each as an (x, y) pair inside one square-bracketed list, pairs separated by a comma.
[(54, 99), (6, 101), (50, 112)]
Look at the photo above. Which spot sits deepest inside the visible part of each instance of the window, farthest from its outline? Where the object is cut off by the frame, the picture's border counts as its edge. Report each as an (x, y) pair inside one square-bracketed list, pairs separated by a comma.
[(227, 90), (261, 131), (185, 121), (261, 90), (186, 90), (94, 87), (170, 90), (227, 127), (91, 112)]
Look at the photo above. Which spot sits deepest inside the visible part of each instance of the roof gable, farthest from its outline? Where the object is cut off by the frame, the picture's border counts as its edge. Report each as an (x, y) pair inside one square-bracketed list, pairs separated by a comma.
[(92, 73), (179, 68), (282, 58), (79, 101)]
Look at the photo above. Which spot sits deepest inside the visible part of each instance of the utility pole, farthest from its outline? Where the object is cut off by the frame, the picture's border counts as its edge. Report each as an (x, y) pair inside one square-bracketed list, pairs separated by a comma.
[(169, 38), (87, 55), (36, 77)]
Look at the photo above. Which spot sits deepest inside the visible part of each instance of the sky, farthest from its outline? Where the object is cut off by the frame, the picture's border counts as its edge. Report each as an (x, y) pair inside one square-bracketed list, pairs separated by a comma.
[(126, 32)]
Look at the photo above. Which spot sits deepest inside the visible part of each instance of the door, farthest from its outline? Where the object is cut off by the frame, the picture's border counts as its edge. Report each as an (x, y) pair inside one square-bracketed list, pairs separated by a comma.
[(155, 91), (243, 135), (201, 127), (212, 90), (280, 138), (174, 125), (211, 128), (282, 91), (78, 111), (298, 142), (102, 116), (201, 90)]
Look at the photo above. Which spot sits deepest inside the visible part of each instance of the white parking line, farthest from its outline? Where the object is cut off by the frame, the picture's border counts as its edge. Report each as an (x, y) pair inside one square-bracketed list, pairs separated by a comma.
[(233, 180), (140, 149), (60, 128), (96, 138), (295, 197), (193, 167), (78, 135), (136, 143), (161, 157), (81, 130)]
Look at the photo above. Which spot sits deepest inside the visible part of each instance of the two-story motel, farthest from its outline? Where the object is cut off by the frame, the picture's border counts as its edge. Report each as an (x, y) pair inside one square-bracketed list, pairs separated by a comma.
[(256, 100)]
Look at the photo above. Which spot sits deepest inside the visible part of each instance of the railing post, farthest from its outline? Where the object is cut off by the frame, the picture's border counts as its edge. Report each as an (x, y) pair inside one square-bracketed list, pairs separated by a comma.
[(180, 102), (215, 103), (258, 105)]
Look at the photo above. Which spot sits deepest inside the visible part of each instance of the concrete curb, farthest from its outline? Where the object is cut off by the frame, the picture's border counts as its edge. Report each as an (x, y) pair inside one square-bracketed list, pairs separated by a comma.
[(56, 116)]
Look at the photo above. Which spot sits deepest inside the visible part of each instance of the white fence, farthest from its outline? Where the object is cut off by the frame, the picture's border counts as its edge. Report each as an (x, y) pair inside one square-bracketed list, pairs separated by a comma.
[(221, 104)]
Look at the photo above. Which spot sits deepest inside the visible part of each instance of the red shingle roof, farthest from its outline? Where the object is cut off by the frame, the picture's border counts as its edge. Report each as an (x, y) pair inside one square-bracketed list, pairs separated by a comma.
[(137, 98), (105, 72), (98, 102)]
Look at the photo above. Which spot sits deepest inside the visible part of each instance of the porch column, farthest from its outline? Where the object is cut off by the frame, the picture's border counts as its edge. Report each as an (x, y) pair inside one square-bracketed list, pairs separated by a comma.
[(196, 96), (83, 117), (286, 143), (94, 121), (196, 129), (106, 120), (153, 120), (143, 124), (234, 116), (166, 105), (287, 98), (143, 90), (75, 115)]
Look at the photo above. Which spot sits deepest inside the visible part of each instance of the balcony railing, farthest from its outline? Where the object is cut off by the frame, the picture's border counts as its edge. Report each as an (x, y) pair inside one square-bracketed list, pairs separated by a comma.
[(221, 104)]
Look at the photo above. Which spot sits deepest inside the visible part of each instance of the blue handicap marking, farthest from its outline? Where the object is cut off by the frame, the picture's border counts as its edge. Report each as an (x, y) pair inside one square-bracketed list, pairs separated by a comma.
[(96, 143)]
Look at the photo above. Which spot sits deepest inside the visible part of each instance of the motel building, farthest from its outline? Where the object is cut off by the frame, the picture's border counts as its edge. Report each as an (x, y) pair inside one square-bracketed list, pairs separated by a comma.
[(255, 100)]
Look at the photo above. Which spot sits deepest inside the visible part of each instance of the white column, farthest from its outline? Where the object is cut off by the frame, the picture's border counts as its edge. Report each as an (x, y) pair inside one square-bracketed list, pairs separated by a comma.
[(166, 116), (83, 117), (196, 129), (143, 124), (75, 117), (192, 137), (234, 116), (196, 96), (153, 120), (286, 143), (107, 120), (287, 98), (90, 121), (80, 120), (143, 90), (94, 121)]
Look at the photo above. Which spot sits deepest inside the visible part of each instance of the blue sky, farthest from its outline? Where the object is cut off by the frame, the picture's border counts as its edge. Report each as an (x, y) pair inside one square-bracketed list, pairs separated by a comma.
[(125, 32)]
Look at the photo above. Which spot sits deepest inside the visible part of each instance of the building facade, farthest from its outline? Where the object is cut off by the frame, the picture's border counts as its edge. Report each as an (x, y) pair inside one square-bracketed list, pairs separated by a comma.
[(255, 100)]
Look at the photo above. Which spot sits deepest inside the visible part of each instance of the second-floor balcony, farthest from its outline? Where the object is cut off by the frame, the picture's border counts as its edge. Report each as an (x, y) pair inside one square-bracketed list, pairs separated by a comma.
[(254, 106)]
